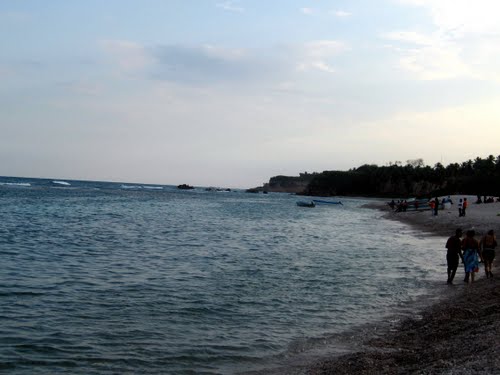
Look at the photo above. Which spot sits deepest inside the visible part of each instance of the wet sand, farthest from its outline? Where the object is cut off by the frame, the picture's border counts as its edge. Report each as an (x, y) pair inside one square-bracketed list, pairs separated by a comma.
[(458, 335)]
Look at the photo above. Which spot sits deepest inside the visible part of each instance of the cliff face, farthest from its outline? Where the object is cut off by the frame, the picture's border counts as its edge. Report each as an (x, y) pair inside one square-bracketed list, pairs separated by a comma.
[(288, 184), (348, 184)]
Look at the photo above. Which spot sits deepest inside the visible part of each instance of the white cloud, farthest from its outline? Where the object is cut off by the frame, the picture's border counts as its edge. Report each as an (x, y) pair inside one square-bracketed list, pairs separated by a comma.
[(341, 13), (307, 11), (409, 37), (230, 6), (462, 16), (464, 41), (324, 48), (317, 54)]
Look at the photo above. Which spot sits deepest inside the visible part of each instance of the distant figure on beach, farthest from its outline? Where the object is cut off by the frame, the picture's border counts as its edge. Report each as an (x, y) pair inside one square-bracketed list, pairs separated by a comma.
[(392, 204), (470, 247), (436, 206), (460, 207), (488, 244), (465, 204), (454, 246), (432, 205), (447, 202)]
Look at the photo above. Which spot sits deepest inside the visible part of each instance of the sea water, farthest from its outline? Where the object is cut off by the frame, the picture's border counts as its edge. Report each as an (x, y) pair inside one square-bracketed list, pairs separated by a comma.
[(112, 278)]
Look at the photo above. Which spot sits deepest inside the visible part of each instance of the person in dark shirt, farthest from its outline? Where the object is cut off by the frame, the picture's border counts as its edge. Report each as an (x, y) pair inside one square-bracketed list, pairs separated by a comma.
[(454, 246), (487, 245)]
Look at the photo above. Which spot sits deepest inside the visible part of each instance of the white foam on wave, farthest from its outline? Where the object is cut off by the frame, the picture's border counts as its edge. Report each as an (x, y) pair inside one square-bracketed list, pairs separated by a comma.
[(153, 187), (131, 187), (58, 182), (25, 184)]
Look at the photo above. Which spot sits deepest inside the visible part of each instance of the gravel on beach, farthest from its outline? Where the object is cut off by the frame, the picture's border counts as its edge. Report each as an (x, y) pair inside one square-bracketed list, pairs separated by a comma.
[(458, 335)]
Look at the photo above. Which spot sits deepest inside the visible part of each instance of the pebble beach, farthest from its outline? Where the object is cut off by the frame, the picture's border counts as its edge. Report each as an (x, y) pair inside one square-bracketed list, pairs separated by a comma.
[(459, 334)]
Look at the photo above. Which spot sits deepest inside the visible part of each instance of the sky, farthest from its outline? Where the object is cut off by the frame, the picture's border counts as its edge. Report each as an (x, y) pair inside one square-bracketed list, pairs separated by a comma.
[(229, 93)]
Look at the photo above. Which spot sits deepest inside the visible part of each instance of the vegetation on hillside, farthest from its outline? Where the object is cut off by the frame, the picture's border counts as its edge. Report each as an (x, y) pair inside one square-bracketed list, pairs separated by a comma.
[(477, 177)]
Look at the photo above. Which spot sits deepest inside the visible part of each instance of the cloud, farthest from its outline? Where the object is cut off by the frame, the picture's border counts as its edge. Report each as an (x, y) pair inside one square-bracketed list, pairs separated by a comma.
[(461, 16), (341, 13), (230, 6), (463, 42), (409, 37), (317, 54), (202, 64), (324, 48), (207, 63), (307, 11), (129, 56)]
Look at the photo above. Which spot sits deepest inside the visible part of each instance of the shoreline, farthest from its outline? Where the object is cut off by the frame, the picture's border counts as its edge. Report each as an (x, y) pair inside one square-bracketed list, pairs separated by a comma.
[(457, 335)]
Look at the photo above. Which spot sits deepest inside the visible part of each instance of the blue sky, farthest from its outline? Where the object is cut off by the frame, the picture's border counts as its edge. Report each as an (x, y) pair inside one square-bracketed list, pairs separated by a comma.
[(230, 93)]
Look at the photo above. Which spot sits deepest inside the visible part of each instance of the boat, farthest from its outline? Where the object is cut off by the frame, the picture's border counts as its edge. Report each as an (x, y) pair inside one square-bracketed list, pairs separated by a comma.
[(326, 202), (306, 204)]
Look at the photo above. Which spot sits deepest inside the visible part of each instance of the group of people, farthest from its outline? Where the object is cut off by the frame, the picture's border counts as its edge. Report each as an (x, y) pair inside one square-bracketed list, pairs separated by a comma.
[(462, 207), (470, 251), (486, 199), (435, 205), (400, 206)]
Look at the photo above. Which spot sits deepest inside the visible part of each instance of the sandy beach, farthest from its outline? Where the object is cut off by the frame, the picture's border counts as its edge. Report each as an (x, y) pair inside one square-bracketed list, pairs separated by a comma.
[(480, 217), (458, 335)]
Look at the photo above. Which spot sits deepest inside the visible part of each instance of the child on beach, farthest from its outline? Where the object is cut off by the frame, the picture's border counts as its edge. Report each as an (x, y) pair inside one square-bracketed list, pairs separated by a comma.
[(454, 246), (488, 244)]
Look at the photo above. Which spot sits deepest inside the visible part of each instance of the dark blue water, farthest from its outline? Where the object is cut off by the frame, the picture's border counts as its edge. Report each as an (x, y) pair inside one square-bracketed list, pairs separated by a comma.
[(109, 278)]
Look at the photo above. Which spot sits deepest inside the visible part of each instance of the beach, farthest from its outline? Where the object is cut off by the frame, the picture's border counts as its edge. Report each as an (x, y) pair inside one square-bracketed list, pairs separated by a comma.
[(457, 335), (480, 217)]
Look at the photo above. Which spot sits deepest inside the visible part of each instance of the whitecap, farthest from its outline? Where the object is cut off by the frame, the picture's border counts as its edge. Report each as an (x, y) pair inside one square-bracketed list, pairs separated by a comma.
[(57, 182), (131, 187), (25, 184), (153, 187)]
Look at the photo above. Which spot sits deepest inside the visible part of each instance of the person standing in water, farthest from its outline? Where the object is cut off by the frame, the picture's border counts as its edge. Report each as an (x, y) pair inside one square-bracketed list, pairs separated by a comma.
[(470, 255), (454, 246), (488, 244)]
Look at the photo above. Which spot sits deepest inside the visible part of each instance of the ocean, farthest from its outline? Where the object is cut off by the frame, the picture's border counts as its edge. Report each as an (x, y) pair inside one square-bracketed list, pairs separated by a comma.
[(116, 278)]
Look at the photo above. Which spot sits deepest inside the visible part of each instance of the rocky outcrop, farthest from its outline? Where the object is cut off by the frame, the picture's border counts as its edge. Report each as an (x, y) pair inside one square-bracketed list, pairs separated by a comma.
[(289, 184), (185, 187)]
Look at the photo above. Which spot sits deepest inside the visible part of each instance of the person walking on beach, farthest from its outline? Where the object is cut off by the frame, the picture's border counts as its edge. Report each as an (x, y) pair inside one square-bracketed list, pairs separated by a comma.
[(436, 206), (487, 245), (460, 208), (470, 255), (454, 246)]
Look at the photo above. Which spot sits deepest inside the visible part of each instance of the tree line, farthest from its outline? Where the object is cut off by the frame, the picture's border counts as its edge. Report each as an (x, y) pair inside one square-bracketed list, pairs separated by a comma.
[(476, 177)]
